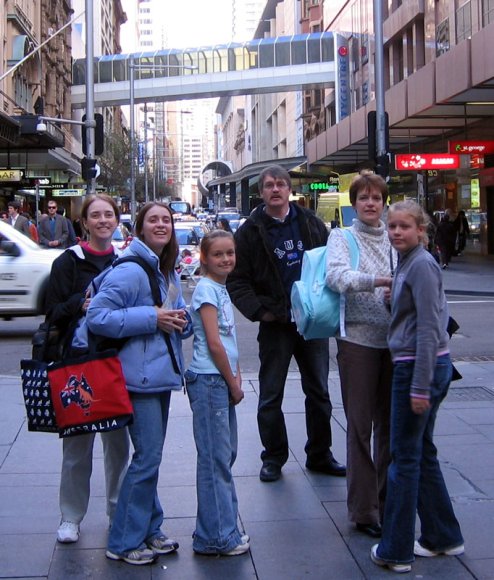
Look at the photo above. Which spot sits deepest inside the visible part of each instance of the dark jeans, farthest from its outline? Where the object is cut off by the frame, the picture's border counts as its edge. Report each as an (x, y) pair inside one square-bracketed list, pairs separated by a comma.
[(277, 344), (415, 480)]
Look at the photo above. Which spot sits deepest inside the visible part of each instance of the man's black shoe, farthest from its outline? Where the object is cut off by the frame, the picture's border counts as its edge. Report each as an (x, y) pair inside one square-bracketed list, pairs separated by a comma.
[(270, 472), (372, 530), (328, 467)]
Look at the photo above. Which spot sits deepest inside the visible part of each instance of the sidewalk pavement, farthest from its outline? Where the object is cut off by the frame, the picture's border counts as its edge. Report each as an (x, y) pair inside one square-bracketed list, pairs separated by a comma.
[(298, 525)]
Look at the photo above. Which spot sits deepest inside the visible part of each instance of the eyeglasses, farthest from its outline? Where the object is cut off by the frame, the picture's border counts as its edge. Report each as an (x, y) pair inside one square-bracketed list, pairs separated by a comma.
[(52, 207), (280, 184)]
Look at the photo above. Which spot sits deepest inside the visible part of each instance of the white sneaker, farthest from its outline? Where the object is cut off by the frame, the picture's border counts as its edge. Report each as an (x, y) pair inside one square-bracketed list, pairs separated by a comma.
[(238, 550), (419, 550), (68, 533), (398, 568)]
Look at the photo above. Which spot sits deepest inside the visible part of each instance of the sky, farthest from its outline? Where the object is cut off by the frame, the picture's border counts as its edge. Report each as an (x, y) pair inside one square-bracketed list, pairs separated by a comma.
[(186, 24), (210, 23)]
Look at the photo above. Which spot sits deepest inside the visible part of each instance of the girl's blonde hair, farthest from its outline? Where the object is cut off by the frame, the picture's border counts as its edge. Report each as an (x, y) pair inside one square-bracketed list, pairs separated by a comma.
[(413, 209), (207, 242)]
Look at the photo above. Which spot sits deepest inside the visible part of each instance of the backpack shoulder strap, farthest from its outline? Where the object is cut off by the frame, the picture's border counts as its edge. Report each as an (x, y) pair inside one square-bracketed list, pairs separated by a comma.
[(151, 274), (354, 263), (155, 291), (353, 247)]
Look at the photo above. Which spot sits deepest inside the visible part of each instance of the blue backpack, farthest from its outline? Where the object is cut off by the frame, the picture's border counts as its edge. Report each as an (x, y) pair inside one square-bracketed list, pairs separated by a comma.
[(318, 311)]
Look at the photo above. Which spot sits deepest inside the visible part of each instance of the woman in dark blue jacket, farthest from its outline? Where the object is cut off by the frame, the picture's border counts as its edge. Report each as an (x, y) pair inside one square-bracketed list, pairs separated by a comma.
[(124, 308)]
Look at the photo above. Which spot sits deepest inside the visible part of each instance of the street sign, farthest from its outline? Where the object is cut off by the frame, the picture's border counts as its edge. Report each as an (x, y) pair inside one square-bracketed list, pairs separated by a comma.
[(420, 161), (68, 192), (471, 147)]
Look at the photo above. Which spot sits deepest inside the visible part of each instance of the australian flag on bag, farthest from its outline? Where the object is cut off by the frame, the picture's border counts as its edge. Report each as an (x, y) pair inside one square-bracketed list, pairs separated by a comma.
[(89, 394)]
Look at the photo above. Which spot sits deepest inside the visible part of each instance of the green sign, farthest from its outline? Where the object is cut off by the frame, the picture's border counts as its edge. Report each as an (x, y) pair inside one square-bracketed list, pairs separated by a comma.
[(474, 193)]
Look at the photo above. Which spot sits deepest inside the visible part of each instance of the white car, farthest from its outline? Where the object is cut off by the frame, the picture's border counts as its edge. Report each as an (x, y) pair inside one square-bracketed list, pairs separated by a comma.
[(24, 273)]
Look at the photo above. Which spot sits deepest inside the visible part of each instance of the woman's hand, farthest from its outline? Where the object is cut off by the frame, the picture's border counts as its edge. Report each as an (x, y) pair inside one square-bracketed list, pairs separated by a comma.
[(171, 320), (87, 300), (385, 281), (236, 393), (419, 405)]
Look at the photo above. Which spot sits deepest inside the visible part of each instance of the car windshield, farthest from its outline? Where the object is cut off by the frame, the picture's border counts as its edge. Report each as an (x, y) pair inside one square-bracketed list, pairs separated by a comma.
[(186, 237)]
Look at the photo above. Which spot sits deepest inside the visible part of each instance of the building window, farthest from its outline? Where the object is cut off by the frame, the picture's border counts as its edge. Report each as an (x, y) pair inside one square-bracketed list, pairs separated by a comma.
[(442, 37), (487, 12), (464, 22)]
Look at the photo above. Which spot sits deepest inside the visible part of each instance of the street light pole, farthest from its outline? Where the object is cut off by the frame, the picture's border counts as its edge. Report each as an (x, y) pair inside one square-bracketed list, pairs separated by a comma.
[(381, 152), (132, 67), (90, 124), (132, 142)]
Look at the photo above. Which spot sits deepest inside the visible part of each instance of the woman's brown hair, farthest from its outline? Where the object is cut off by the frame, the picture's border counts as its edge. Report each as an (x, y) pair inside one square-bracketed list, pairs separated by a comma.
[(366, 181), (103, 197), (169, 253)]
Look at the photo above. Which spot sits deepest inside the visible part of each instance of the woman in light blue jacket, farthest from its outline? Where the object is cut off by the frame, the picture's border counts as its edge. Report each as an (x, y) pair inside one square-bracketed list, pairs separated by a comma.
[(124, 308)]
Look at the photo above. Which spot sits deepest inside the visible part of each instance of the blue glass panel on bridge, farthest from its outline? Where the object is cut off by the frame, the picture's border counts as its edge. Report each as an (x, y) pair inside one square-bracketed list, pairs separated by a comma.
[(310, 58)]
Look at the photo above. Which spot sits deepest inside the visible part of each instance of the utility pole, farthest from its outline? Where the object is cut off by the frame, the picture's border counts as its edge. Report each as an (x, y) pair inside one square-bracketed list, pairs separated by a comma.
[(381, 133), (90, 123)]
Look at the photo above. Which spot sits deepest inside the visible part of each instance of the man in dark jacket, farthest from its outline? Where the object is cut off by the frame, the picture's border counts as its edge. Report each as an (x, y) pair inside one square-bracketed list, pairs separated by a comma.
[(269, 247), (53, 230)]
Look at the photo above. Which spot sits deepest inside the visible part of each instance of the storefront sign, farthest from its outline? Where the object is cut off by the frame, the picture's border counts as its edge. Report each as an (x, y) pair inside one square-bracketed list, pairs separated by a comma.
[(11, 174), (342, 78), (67, 192), (420, 161), (471, 147)]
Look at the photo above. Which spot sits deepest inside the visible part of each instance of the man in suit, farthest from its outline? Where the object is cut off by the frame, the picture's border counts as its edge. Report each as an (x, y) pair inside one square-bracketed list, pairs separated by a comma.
[(53, 230), (19, 222)]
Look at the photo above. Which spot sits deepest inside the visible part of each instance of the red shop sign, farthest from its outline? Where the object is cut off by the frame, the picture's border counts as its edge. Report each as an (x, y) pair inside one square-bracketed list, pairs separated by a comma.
[(471, 147), (419, 161)]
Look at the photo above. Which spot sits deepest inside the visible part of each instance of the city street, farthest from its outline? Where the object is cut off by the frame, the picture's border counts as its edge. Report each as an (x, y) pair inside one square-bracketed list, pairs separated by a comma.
[(298, 525)]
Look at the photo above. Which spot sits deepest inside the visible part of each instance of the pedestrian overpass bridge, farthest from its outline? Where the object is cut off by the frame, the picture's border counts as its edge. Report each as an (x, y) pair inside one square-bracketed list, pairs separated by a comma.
[(268, 65)]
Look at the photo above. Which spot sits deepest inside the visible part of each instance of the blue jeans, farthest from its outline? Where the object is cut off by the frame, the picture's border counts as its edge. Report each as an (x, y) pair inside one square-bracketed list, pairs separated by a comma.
[(415, 481), (278, 342), (139, 515), (215, 434)]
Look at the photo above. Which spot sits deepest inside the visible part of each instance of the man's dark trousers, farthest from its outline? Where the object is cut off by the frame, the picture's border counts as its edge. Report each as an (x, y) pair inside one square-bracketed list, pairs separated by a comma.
[(278, 342)]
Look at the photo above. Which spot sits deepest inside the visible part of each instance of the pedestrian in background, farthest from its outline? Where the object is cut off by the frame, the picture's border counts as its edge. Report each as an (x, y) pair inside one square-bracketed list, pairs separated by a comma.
[(270, 245), (446, 237), (33, 230), (152, 364), (223, 224), (463, 231), (214, 387), (52, 229), (418, 340), (16, 220), (364, 361), (67, 302)]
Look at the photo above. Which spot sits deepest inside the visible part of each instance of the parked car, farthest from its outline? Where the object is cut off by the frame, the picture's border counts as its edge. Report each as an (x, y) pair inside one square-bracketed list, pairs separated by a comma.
[(121, 237), (189, 235), (24, 273)]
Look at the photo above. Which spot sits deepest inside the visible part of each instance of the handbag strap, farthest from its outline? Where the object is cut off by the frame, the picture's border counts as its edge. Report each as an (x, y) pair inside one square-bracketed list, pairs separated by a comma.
[(156, 293)]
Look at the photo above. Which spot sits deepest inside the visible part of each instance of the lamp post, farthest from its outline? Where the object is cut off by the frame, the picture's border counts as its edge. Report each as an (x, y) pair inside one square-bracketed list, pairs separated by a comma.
[(381, 153), (132, 67)]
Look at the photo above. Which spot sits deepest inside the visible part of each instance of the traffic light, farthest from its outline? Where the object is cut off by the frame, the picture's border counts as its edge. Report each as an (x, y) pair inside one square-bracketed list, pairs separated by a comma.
[(88, 168), (381, 162), (99, 135), (382, 166)]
